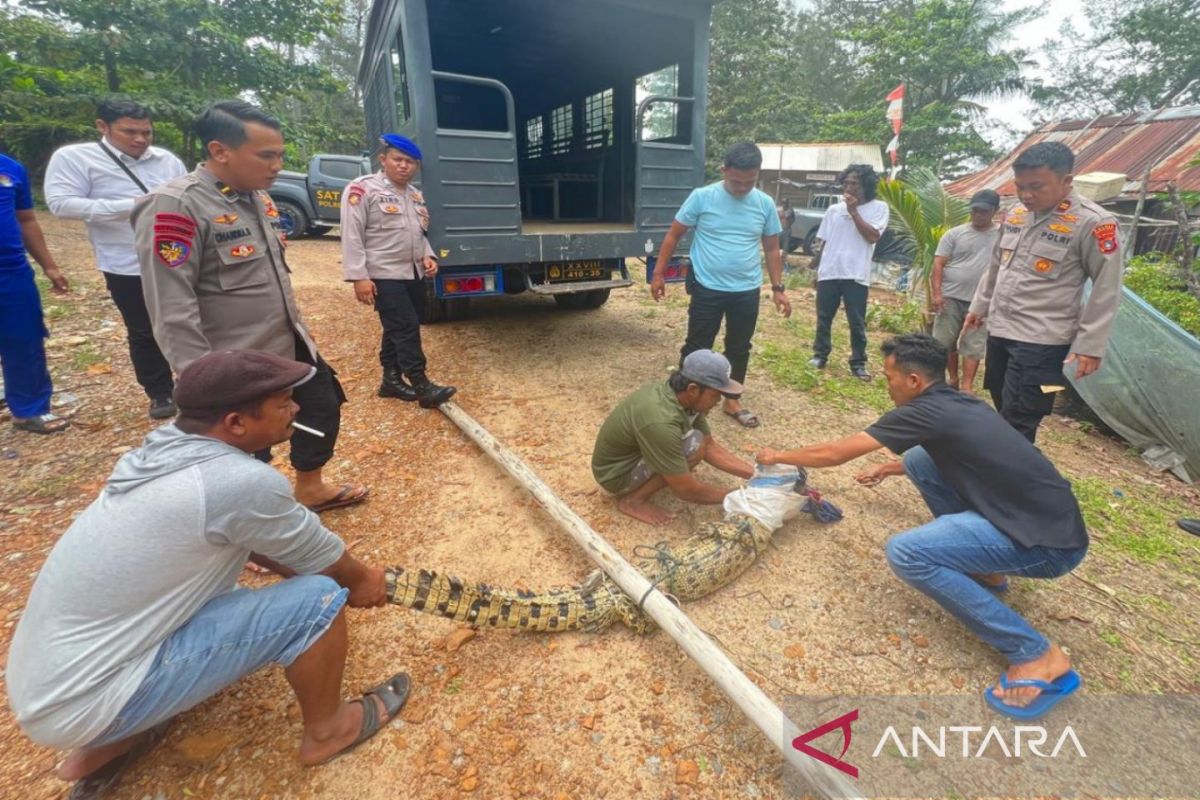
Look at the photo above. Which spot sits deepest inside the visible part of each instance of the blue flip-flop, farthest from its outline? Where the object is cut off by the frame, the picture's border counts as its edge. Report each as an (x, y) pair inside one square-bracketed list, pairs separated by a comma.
[(1053, 693)]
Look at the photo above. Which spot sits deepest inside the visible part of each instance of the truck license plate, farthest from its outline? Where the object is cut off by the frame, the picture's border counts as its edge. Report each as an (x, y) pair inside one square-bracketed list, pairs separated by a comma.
[(576, 271)]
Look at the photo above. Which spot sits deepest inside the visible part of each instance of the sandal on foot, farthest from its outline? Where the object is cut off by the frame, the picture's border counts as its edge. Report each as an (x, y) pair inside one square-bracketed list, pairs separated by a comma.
[(100, 781), (745, 417), (43, 423), (1053, 693), (347, 496), (392, 694)]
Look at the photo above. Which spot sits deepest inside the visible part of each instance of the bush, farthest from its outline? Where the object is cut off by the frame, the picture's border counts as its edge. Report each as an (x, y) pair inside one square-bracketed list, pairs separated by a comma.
[(907, 318), (1161, 282)]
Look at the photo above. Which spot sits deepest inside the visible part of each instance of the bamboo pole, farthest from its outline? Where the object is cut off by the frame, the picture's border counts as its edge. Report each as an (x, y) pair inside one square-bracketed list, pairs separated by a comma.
[(753, 702)]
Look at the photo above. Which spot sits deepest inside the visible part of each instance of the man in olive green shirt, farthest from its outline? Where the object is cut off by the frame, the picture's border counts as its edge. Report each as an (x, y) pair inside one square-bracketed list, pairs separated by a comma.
[(656, 436)]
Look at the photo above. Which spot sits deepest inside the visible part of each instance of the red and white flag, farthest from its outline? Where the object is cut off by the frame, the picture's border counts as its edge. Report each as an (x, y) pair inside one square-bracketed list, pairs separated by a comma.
[(895, 112), (895, 109)]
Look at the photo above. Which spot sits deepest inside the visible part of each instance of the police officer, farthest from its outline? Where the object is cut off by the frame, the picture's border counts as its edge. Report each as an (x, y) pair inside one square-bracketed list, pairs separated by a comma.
[(1051, 242), (386, 255), (213, 271)]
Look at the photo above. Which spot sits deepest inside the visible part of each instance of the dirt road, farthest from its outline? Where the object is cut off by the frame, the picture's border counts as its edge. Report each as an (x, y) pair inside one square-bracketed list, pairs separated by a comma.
[(580, 716)]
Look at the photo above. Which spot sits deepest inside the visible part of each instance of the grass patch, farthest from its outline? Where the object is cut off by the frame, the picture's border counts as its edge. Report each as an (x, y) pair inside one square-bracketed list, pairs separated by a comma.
[(789, 367), (84, 356), (1112, 639), (1137, 522)]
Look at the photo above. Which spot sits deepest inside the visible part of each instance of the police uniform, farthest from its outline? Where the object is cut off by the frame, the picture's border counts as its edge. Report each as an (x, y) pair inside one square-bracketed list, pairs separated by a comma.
[(215, 278), (27, 387), (1030, 298), (383, 240)]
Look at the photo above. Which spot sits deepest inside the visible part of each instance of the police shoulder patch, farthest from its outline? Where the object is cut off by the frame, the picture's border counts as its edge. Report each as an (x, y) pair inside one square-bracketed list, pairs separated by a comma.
[(1106, 237), (172, 252)]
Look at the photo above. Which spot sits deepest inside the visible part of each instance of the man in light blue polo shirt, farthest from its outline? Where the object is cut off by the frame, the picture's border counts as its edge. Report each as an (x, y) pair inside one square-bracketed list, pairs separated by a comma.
[(732, 220)]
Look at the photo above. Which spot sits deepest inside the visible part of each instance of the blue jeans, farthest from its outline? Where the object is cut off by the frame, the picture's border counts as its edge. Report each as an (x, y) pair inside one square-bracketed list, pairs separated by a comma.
[(939, 558), (228, 638)]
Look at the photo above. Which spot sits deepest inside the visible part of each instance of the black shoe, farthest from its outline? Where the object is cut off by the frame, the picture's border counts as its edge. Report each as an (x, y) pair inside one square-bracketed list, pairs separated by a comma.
[(401, 391), (163, 408), (430, 395), (1190, 525), (860, 373), (394, 386), (816, 363)]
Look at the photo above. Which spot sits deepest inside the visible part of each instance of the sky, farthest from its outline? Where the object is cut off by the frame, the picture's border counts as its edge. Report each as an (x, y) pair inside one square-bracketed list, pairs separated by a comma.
[(1034, 35)]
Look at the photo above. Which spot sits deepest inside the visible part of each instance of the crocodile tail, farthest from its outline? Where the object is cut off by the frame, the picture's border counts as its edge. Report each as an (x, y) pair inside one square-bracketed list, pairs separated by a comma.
[(592, 606)]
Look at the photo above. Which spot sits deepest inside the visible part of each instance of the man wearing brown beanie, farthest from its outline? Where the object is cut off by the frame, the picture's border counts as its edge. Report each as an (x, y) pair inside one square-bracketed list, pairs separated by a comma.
[(136, 615)]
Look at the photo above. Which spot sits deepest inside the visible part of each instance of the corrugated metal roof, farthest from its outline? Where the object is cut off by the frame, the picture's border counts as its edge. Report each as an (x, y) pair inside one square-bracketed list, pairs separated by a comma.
[(819, 156), (1123, 144)]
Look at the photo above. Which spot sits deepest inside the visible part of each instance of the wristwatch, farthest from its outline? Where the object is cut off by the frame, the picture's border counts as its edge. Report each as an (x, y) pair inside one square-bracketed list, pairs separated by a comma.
[(778, 287)]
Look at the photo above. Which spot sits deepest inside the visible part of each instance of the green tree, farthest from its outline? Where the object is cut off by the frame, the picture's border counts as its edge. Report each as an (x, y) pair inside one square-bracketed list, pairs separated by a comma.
[(949, 54), (756, 89), (921, 213), (1142, 54), (176, 56)]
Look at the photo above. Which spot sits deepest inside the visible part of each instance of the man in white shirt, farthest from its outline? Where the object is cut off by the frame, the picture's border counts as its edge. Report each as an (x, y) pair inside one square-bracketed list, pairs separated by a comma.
[(848, 232), (98, 183)]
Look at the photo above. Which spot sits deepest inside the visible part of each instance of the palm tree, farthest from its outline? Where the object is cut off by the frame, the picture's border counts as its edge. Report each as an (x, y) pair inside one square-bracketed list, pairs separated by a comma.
[(921, 213)]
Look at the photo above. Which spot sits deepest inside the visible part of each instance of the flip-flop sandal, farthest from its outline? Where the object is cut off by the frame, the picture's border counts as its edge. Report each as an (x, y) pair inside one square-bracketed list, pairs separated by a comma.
[(347, 496), (100, 781), (1192, 526), (42, 423), (1053, 693), (393, 695), (745, 417)]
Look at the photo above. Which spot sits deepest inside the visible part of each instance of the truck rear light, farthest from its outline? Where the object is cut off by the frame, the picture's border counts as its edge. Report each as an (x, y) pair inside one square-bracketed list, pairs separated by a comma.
[(468, 284)]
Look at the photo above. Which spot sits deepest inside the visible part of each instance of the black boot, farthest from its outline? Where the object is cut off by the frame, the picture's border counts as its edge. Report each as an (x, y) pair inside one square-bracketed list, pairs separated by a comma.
[(430, 395), (394, 386)]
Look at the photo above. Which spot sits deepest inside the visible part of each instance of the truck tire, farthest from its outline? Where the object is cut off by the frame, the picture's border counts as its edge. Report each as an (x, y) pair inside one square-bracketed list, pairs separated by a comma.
[(292, 218), (596, 298), (319, 230), (435, 311), (573, 301), (810, 242)]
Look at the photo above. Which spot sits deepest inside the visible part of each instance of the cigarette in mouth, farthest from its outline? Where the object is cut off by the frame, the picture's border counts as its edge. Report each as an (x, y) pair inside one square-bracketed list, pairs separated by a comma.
[(307, 429)]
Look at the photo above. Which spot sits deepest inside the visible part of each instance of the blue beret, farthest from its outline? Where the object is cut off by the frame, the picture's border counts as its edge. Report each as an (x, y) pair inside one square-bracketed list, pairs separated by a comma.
[(402, 143)]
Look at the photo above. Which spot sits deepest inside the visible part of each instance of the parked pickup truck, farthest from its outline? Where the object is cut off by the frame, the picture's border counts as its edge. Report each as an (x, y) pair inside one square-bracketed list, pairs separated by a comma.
[(804, 228), (311, 204)]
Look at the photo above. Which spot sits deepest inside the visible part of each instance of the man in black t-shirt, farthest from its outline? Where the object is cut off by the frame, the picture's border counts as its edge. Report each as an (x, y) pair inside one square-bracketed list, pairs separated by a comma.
[(1000, 508)]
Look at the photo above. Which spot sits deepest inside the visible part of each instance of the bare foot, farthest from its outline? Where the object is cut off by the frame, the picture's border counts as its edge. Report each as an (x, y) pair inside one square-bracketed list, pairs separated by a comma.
[(993, 579), (953, 384), (317, 746), (644, 512), (86, 760), (732, 407), (1053, 664)]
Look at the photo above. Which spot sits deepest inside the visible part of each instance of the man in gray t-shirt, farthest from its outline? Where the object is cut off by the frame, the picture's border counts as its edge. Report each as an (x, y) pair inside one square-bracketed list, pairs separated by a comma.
[(136, 615), (962, 257)]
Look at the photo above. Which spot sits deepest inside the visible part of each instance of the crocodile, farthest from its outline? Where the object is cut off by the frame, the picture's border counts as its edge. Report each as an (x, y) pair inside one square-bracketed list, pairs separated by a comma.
[(711, 558)]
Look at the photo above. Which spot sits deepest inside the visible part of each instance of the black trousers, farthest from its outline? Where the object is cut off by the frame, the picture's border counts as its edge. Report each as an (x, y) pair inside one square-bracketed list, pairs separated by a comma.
[(1014, 375), (401, 308), (149, 365), (320, 399), (708, 308), (831, 294)]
